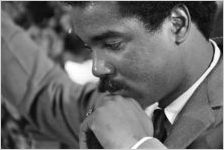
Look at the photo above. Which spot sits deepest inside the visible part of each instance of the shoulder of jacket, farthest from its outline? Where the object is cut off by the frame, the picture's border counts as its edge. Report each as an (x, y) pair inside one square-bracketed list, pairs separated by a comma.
[(215, 85)]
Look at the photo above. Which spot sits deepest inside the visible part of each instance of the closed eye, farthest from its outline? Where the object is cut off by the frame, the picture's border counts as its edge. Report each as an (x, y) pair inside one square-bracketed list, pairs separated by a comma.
[(114, 45)]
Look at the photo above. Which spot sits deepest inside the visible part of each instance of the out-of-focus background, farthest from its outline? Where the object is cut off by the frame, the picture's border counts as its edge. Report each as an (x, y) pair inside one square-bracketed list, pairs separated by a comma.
[(48, 24)]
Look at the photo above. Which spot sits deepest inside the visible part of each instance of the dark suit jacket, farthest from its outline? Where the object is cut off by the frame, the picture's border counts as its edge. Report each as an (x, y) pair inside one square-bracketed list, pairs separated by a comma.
[(200, 124), (55, 105)]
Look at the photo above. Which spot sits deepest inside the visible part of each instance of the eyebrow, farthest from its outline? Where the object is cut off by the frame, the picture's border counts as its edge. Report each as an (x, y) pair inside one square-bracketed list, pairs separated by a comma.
[(106, 35)]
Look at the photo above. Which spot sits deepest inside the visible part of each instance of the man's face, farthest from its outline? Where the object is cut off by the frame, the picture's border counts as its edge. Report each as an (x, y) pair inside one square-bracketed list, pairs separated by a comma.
[(129, 60)]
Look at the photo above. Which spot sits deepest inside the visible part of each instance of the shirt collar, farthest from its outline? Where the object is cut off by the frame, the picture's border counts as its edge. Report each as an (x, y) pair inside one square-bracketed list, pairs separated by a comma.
[(173, 109)]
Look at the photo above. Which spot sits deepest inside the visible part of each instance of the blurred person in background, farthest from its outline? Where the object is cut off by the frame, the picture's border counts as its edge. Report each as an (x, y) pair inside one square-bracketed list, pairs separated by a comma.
[(61, 103), (48, 28)]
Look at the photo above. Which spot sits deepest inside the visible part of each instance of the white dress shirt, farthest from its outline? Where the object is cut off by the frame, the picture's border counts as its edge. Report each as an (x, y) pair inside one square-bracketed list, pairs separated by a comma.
[(173, 109)]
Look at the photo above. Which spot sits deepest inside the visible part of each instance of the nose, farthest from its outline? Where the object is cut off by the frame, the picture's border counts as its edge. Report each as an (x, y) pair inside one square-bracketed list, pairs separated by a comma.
[(101, 67)]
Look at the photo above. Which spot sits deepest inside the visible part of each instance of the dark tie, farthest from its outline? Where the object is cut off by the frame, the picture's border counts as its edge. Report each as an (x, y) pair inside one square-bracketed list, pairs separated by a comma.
[(160, 124)]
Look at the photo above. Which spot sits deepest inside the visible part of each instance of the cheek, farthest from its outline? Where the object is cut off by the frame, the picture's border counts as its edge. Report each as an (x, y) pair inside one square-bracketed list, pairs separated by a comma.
[(135, 65), (144, 68)]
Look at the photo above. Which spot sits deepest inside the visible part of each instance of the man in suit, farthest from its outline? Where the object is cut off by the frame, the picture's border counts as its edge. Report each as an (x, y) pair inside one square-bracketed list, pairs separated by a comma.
[(41, 91), (151, 62), (159, 54)]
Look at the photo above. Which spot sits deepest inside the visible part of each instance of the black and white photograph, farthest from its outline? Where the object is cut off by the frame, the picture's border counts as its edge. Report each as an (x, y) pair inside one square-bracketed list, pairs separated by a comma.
[(111, 74)]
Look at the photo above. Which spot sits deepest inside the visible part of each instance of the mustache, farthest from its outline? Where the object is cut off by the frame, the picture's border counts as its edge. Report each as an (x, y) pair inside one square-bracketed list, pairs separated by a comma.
[(107, 84)]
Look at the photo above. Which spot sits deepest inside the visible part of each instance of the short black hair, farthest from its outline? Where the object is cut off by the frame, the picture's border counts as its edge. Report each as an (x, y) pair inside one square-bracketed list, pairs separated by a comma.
[(153, 13)]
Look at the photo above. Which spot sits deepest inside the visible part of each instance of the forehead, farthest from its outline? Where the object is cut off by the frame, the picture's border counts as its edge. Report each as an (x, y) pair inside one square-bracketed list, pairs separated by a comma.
[(99, 17)]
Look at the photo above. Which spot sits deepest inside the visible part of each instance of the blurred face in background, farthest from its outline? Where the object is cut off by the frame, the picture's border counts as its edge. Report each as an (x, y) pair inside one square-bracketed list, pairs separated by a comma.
[(129, 60)]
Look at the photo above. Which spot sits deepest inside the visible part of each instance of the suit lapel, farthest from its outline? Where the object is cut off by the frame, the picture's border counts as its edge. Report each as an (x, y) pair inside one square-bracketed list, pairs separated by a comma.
[(195, 118)]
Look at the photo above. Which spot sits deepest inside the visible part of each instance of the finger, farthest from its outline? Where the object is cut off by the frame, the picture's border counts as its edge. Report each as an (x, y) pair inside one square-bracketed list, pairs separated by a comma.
[(82, 140), (85, 126)]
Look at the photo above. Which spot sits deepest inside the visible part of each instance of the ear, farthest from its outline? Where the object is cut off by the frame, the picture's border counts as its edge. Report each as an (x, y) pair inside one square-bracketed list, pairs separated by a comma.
[(181, 23)]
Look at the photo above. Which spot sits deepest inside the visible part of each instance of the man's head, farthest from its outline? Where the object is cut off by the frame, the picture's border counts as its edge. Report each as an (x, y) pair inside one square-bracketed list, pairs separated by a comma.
[(138, 47)]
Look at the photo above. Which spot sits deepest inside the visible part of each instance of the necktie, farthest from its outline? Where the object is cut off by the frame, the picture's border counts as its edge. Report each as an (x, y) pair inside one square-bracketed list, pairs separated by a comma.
[(160, 124)]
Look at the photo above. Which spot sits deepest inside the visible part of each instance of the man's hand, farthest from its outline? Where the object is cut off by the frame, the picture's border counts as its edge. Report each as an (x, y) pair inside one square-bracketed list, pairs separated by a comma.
[(118, 123)]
